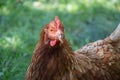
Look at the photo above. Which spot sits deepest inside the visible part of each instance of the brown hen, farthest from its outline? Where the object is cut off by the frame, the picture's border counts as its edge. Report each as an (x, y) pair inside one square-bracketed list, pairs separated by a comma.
[(54, 59)]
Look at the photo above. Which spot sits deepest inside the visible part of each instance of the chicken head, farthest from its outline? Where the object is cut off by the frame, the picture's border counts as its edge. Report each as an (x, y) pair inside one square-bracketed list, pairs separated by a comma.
[(54, 32)]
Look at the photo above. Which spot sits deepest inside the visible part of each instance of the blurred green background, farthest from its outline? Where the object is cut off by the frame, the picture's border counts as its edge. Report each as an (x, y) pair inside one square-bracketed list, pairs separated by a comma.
[(21, 21)]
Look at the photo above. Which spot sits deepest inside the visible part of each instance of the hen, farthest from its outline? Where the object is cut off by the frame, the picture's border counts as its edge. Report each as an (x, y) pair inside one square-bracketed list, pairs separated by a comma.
[(54, 59)]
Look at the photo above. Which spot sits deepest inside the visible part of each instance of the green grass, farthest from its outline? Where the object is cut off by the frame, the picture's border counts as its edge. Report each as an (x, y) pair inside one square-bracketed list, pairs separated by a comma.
[(21, 21)]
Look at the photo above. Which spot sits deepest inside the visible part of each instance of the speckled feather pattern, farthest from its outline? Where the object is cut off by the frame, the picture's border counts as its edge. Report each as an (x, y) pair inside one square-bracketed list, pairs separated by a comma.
[(61, 63)]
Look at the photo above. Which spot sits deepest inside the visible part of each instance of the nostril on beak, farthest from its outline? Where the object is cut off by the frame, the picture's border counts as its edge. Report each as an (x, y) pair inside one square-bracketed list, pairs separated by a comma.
[(60, 37)]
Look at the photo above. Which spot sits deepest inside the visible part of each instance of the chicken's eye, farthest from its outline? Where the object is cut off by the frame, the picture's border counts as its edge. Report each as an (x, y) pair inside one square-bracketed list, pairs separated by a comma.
[(51, 30)]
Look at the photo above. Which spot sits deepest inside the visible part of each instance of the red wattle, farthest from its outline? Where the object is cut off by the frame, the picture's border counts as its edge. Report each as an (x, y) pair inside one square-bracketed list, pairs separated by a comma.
[(53, 42)]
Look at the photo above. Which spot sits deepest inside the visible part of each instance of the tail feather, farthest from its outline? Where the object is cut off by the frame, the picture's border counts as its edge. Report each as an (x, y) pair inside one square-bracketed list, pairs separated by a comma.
[(115, 36)]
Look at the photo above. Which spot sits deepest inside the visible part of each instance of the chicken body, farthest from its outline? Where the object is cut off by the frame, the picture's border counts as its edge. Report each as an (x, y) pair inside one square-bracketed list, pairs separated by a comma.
[(105, 53), (54, 59)]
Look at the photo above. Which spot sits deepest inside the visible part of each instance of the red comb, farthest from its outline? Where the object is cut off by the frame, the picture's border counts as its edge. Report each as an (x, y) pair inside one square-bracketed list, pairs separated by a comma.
[(57, 21)]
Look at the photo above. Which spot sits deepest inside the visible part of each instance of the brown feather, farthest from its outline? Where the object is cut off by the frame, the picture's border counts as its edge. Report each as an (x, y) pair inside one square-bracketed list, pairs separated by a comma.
[(61, 63)]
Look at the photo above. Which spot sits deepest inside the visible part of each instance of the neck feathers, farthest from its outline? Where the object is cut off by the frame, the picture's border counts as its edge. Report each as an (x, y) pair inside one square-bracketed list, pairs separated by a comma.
[(47, 62)]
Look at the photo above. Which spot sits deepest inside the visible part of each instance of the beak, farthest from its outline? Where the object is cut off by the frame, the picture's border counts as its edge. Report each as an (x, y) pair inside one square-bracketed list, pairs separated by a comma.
[(60, 38)]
